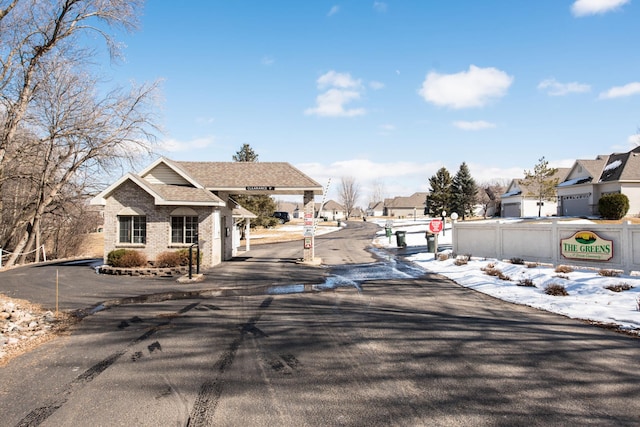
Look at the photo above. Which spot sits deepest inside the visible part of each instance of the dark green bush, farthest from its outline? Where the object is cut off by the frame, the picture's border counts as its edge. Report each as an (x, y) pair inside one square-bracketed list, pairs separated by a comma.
[(126, 258), (613, 206), (114, 256)]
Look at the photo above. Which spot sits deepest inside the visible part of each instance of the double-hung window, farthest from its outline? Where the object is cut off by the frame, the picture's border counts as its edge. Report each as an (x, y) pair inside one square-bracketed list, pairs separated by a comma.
[(184, 229), (132, 229)]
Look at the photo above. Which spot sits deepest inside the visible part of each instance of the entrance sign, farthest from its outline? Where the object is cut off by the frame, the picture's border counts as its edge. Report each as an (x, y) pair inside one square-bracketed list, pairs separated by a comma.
[(586, 245), (435, 225)]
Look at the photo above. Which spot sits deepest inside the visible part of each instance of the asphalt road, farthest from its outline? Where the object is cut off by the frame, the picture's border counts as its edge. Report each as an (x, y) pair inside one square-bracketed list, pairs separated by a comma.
[(401, 348)]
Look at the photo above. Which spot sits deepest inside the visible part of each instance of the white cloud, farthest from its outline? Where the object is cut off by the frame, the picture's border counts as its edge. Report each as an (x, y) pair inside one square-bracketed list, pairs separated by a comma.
[(379, 6), (473, 88), (205, 120), (341, 89), (268, 60), (335, 9), (555, 88), (621, 91), (387, 127), (332, 104), (595, 7), (634, 140), (339, 80), (173, 145), (476, 125), (376, 85)]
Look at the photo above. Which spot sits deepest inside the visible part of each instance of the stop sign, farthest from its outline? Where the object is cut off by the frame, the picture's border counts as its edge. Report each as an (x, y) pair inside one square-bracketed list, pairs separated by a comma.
[(435, 225)]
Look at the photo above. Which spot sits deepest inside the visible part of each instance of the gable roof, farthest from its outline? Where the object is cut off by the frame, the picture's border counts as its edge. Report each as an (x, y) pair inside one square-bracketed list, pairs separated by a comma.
[(191, 183), (164, 194), (249, 177), (416, 200), (622, 167)]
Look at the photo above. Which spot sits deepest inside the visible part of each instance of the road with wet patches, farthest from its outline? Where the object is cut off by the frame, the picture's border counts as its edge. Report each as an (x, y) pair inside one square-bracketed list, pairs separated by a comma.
[(366, 339)]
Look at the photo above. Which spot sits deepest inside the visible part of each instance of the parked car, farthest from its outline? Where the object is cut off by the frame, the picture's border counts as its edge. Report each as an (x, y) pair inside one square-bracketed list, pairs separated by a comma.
[(283, 217)]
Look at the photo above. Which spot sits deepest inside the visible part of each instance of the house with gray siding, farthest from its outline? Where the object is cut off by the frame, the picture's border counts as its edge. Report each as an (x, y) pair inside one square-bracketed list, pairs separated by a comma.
[(588, 180)]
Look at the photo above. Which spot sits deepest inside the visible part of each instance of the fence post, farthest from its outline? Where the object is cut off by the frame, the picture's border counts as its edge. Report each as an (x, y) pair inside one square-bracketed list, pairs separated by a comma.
[(0, 257)]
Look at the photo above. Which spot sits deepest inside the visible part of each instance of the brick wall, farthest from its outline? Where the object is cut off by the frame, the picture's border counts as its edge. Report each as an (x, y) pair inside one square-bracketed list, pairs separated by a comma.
[(158, 225)]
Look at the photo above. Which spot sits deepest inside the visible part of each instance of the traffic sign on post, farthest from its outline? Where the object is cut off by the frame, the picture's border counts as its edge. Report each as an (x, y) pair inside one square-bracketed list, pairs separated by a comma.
[(435, 225)]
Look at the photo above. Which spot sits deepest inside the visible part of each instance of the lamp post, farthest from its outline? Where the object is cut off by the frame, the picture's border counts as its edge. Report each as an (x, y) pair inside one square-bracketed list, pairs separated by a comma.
[(444, 221)]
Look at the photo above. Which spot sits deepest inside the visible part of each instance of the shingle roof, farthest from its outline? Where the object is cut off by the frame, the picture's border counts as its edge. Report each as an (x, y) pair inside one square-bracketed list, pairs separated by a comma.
[(622, 167), (240, 177), (416, 200), (179, 193)]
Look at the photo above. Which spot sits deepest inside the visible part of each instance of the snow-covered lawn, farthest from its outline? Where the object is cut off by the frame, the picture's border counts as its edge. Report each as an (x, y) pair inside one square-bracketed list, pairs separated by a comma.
[(588, 297)]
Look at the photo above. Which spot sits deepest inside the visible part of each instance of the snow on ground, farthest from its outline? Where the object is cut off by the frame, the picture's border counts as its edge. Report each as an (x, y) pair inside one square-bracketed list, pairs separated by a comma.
[(588, 297)]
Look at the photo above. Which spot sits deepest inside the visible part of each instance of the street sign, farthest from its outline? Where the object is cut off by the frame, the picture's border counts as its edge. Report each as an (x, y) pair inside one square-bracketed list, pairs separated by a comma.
[(435, 225)]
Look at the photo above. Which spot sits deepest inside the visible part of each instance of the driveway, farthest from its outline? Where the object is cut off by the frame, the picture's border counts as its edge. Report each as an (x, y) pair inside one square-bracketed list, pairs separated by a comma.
[(368, 340)]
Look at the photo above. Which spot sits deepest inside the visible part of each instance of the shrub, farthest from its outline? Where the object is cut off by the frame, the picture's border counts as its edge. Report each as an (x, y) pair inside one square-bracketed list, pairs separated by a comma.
[(532, 264), (126, 258), (563, 269), (526, 282), (609, 273), (462, 260), (492, 271), (168, 259), (443, 257), (562, 276), (517, 261), (619, 287), (556, 290), (114, 256), (613, 206)]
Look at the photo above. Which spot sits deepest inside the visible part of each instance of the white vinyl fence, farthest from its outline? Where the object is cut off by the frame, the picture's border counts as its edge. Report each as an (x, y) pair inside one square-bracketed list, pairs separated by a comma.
[(539, 241)]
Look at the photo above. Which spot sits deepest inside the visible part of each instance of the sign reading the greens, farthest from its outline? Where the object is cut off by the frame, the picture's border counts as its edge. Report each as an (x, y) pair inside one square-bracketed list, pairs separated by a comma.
[(586, 245)]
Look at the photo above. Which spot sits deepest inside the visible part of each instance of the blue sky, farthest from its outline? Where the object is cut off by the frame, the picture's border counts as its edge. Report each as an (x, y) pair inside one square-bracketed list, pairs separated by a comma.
[(390, 91)]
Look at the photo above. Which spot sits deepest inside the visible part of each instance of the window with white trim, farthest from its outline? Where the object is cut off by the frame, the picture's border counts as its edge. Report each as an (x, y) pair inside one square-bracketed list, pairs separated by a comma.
[(184, 229), (132, 229)]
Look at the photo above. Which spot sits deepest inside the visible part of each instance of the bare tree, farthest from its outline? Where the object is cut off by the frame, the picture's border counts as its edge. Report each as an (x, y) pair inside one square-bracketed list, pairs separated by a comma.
[(32, 32), (55, 131), (79, 135), (379, 192), (541, 183), (349, 193)]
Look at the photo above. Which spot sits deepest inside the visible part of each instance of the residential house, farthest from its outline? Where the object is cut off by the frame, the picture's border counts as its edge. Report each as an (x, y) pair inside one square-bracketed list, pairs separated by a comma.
[(406, 207), (520, 199), (375, 209), (172, 205), (331, 210), (588, 180)]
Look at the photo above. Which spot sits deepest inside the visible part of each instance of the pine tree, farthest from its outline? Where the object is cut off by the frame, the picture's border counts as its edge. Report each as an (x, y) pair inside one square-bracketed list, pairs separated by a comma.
[(464, 192), (245, 154), (440, 193), (541, 183), (261, 205)]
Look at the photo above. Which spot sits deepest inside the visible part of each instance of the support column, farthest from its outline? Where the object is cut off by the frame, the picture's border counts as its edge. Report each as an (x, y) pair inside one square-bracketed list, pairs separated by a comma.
[(309, 227)]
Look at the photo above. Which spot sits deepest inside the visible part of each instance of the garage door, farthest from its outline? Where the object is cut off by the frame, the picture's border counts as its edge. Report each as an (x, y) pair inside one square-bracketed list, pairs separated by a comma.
[(576, 205), (511, 210)]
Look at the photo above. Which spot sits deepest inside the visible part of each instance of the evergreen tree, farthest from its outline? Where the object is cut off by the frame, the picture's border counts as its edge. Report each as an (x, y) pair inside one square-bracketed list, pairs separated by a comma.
[(245, 154), (541, 183), (440, 193), (464, 192), (261, 205)]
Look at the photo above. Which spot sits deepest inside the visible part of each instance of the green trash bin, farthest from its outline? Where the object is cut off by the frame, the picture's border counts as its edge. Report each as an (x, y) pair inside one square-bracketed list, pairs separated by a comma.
[(431, 242), (400, 239), (387, 231)]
